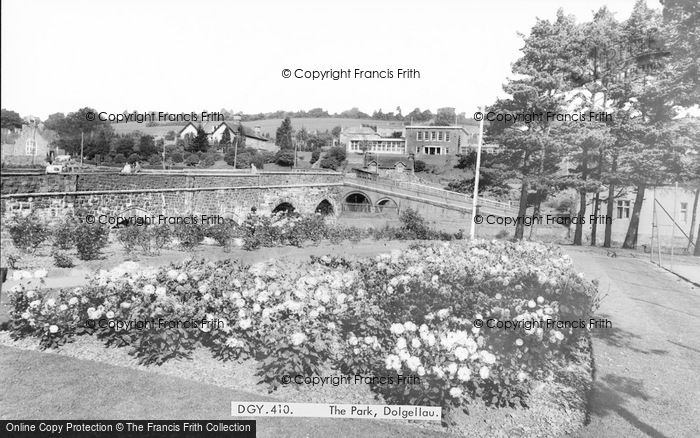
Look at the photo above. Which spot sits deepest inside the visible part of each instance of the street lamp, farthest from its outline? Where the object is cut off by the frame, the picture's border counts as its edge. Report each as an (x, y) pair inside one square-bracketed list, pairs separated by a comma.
[(476, 178)]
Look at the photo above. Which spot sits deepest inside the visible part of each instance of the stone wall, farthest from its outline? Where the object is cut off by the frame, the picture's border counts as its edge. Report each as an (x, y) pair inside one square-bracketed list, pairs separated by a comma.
[(54, 196)]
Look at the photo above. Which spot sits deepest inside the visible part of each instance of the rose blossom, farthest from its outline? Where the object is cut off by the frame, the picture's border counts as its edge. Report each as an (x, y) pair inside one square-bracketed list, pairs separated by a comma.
[(298, 338), (484, 372)]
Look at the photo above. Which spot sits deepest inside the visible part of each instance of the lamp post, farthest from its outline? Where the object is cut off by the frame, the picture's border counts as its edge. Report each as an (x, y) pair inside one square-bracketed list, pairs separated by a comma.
[(476, 178)]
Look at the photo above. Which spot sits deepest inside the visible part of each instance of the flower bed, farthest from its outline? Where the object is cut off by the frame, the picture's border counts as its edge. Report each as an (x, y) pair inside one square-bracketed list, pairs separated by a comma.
[(404, 313)]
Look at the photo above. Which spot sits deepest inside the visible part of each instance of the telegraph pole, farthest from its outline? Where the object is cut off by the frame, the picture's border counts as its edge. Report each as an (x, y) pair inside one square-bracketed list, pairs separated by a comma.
[(82, 143), (476, 178)]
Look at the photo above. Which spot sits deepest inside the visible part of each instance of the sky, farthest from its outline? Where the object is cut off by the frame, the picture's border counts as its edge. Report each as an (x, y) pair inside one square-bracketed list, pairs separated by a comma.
[(176, 56)]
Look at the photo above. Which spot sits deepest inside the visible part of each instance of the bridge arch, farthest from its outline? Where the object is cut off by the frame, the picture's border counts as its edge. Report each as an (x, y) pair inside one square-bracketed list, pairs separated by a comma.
[(325, 208), (387, 205), (285, 208), (357, 201)]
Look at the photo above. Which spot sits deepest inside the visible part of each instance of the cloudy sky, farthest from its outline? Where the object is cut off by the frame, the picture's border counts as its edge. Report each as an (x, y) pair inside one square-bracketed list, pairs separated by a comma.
[(178, 56)]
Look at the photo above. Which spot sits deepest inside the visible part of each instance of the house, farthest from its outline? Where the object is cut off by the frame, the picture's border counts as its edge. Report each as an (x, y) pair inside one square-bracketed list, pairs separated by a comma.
[(395, 167), (360, 140), (216, 130), (30, 145), (443, 140), (667, 213)]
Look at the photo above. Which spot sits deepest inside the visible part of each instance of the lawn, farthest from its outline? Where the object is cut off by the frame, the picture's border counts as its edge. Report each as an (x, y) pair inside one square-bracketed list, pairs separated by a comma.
[(49, 386)]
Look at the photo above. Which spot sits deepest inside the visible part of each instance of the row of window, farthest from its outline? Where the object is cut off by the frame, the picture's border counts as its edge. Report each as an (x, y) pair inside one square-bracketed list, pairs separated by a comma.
[(623, 210), (378, 146), (432, 136)]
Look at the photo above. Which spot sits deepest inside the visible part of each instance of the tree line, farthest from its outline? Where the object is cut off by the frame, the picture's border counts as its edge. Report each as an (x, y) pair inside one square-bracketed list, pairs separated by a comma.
[(643, 71)]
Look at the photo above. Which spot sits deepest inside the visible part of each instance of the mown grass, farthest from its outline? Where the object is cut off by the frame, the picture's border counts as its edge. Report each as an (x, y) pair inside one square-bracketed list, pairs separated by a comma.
[(39, 385)]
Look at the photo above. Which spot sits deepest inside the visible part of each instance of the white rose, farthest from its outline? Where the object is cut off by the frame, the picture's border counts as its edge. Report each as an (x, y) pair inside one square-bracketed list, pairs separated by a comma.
[(540, 300), (397, 329), (51, 302), (410, 327), (401, 343), (455, 392), (531, 304), (53, 328), (160, 291), (26, 315), (413, 363), (298, 338), (110, 315), (484, 372), (464, 374), (182, 278), (63, 308), (73, 301), (245, 323), (415, 343), (353, 340)]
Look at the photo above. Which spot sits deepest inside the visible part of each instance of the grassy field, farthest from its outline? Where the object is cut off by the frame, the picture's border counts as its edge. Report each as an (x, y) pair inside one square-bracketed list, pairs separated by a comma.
[(268, 126)]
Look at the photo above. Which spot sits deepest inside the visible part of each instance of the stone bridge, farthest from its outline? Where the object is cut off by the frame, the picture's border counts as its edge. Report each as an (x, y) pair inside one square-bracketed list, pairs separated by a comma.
[(231, 194), (227, 193)]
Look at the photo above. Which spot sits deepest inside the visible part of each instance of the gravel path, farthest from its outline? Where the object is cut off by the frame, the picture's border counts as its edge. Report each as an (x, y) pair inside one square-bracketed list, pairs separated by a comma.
[(647, 372)]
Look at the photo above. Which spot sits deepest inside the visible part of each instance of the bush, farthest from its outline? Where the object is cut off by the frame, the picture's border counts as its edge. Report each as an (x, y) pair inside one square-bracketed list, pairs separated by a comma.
[(315, 155), (133, 158), (285, 157), (93, 238), (330, 163), (192, 160), (62, 260), (119, 159), (130, 237), (63, 234), (189, 236), (28, 232), (222, 233), (413, 224), (418, 166)]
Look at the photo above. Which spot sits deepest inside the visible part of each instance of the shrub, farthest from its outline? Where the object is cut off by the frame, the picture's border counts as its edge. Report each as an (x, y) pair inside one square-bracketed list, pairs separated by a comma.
[(119, 159), (160, 236), (189, 236), (130, 237), (133, 158), (192, 160), (315, 155), (93, 238), (62, 260), (330, 163), (285, 157), (63, 234), (28, 232), (419, 166), (222, 233), (413, 224)]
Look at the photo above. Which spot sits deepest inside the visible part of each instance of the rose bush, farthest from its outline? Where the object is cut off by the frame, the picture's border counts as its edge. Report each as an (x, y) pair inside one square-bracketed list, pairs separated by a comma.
[(411, 312)]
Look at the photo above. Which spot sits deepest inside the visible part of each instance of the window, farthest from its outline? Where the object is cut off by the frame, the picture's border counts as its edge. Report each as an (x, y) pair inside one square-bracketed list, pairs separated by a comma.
[(440, 136), (419, 135), (684, 211), (30, 146), (447, 136), (433, 135), (623, 209), (426, 135)]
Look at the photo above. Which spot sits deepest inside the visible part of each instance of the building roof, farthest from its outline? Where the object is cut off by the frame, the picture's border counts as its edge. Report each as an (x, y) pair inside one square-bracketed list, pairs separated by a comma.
[(453, 127), (389, 161), (211, 127)]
